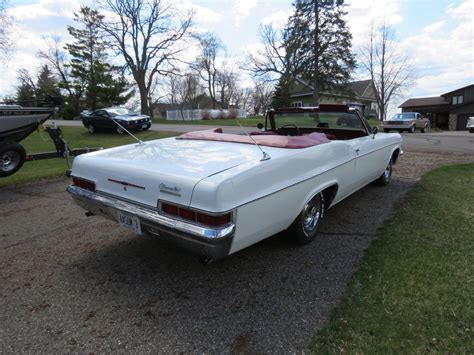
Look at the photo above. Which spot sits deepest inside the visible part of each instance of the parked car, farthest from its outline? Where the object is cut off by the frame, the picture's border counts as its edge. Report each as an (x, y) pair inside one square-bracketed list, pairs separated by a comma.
[(114, 119), (470, 124), (407, 121), (217, 193)]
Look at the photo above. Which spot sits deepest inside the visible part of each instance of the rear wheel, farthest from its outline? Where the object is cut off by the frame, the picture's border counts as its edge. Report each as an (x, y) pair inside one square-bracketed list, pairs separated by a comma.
[(471, 130), (385, 178), (305, 227), (12, 157), (386, 130), (412, 129)]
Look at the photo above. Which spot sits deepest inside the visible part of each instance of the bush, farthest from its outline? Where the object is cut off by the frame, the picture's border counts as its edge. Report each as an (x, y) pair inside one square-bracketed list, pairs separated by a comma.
[(233, 114), (221, 115), (206, 115)]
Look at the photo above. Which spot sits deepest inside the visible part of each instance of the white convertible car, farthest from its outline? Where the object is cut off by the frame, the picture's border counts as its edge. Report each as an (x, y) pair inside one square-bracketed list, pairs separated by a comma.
[(216, 193)]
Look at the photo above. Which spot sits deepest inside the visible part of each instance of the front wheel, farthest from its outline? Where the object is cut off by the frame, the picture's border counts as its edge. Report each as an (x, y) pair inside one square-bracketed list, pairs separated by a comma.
[(424, 129), (12, 157), (119, 130), (386, 130), (305, 227), (91, 128), (385, 178), (412, 129)]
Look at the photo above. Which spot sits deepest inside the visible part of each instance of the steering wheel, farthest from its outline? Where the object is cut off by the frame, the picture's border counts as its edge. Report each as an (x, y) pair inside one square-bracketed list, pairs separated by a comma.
[(291, 126)]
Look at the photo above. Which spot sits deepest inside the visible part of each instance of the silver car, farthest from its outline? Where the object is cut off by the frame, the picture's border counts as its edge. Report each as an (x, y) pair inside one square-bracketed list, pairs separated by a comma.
[(407, 121)]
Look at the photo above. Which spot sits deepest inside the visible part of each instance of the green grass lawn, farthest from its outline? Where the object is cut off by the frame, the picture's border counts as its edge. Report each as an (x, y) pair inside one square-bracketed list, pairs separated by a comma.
[(414, 290), (76, 137)]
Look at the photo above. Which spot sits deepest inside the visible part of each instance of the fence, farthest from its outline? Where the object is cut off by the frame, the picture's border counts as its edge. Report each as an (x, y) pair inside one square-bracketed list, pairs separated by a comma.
[(192, 115)]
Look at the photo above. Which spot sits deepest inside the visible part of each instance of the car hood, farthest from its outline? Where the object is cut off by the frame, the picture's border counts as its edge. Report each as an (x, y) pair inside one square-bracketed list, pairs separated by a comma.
[(165, 169)]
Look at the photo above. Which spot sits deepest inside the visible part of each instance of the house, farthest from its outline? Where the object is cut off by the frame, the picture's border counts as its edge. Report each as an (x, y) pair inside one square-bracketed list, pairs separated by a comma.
[(359, 94), (448, 111)]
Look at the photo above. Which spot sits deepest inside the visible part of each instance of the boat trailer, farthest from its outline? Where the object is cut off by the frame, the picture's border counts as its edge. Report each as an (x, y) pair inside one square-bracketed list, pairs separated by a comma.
[(17, 123)]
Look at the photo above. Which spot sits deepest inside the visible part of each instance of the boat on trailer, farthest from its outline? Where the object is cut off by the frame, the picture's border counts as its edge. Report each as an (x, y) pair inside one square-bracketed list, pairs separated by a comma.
[(17, 123)]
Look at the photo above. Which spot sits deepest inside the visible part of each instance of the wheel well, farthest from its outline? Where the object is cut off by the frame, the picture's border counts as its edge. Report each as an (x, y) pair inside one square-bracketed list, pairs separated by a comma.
[(329, 194), (395, 155)]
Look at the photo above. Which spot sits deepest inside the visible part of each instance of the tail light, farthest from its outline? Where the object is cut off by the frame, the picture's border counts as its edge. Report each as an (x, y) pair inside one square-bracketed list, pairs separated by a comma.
[(83, 183), (206, 219)]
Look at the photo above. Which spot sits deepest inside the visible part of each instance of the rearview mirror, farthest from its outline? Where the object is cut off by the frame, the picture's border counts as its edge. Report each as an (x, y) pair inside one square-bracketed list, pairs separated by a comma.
[(260, 125)]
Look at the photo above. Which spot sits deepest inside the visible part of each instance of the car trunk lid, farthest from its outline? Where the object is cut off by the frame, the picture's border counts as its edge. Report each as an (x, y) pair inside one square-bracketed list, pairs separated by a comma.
[(165, 169)]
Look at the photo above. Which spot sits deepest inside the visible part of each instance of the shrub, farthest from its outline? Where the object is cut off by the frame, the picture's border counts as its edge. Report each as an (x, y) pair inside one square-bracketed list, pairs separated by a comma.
[(206, 115), (221, 115), (233, 114)]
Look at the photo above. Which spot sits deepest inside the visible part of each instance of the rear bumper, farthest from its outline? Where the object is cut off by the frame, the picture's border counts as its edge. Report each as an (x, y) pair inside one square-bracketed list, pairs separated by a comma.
[(213, 243)]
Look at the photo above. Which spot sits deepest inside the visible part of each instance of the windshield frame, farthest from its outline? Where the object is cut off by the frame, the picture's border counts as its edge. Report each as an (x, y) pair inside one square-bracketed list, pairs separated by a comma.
[(270, 123)]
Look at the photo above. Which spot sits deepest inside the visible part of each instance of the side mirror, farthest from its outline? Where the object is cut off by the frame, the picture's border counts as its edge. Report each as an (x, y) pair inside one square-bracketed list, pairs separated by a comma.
[(260, 125), (375, 130)]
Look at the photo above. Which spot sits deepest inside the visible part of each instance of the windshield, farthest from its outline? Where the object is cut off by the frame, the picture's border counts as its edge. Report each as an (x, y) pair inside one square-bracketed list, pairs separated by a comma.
[(337, 120), (119, 111), (404, 116)]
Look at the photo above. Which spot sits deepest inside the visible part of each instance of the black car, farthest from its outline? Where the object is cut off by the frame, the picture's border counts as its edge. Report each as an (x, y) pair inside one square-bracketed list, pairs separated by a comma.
[(114, 118)]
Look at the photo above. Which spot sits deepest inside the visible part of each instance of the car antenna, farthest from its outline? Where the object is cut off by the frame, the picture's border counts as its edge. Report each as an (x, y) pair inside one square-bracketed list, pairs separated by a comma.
[(140, 142), (265, 156)]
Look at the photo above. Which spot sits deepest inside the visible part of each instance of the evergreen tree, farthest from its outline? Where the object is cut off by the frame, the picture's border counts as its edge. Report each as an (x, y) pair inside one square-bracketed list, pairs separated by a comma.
[(281, 95), (100, 81), (317, 34), (26, 91), (46, 84)]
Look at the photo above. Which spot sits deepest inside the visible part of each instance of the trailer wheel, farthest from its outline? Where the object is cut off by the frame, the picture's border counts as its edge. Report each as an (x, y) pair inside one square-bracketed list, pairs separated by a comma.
[(12, 157)]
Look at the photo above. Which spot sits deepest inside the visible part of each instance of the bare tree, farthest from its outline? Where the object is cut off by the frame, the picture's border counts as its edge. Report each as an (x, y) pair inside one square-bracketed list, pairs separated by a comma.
[(228, 86), (389, 69), (5, 22), (205, 64), (184, 91), (262, 97), (147, 34), (274, 59), (57, 59)]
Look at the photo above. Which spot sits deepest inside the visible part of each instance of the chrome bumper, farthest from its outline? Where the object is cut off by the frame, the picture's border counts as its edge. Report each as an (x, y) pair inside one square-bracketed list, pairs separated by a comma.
[(397, 126), (213, 243)]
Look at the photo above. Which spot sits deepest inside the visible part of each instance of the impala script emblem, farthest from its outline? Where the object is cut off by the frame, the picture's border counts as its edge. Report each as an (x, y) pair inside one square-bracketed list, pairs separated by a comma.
[(170, 190)]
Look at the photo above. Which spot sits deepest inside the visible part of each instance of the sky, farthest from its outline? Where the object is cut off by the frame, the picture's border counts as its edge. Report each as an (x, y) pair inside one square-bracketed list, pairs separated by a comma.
[(437, 35)]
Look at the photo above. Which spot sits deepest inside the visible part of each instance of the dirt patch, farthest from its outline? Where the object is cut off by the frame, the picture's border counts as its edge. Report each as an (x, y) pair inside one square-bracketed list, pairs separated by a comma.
[(413, 165)]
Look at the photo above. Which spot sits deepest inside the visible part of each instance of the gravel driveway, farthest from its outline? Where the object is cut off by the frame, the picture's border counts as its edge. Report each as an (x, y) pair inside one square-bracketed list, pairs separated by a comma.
[(71, 283)]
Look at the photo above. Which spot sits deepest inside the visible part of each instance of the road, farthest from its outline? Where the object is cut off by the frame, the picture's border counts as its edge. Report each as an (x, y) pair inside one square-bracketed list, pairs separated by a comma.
[(75, 284), (458, 142)]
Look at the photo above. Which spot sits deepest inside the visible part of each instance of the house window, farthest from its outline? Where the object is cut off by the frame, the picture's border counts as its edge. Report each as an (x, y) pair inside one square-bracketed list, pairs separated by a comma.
[(296, 104), (457, 100)]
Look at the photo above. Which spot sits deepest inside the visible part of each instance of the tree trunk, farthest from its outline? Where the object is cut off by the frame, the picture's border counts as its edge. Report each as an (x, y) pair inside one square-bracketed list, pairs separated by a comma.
[(142, 88), (316, 54)]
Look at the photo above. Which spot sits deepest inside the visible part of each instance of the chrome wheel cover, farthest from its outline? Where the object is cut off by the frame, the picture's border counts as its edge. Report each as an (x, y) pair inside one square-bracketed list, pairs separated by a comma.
[(388, 171), (312, 214), (9, 161)]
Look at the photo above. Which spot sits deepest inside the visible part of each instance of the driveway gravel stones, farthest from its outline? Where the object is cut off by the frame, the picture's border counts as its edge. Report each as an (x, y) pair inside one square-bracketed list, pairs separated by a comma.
[(72, 283)]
